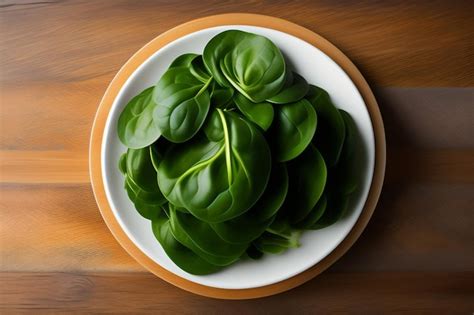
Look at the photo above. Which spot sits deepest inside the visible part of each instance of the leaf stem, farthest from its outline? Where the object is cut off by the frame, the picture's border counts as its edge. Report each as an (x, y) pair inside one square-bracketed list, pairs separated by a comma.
[(227, 145), (204, 87)]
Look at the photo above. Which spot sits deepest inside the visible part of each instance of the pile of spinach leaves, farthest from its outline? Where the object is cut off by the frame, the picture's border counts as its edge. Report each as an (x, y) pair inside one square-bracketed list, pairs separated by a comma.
[(232, 155)]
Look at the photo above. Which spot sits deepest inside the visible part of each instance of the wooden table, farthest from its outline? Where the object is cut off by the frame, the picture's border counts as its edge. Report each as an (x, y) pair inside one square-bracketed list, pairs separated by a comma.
[(57, 58)]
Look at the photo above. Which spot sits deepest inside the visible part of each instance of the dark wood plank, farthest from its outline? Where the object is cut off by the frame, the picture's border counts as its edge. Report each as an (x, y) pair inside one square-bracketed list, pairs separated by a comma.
[(427, 117), (395, 43), (417, 227), (355, 293)]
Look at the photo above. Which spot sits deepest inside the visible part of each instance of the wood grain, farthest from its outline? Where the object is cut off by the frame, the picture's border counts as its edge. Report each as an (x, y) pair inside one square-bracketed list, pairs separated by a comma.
[(56, 228), (419, 226), (396, 43), (357, 293), (57, 255)]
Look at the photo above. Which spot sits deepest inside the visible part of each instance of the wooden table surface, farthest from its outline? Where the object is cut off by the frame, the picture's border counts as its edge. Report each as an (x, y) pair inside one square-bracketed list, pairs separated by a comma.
[(57, 58)]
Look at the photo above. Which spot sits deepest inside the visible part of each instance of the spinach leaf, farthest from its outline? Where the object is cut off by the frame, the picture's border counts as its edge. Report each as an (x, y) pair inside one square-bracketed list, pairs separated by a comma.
[(142, 177), (251, 63), (123, 164), (275, 244), (182, 104), (144, 207), (157, 151), (203, 240), (253, 223), (218, 47), (295, 88), (336, 208), (183, 60), (140, 169), (182, 256), (344, 178), (315, 214), (220, 174), (259, 113), (146, 202), (307, 179), (136, 127), (199, 70), (293, 128), (155, 156), (279, 236), (331, 129), (348, 171), (154, 197), (221, 96)]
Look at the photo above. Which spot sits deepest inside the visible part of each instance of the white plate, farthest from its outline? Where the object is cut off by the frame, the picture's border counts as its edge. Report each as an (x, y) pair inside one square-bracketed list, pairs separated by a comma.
[(318, 69)]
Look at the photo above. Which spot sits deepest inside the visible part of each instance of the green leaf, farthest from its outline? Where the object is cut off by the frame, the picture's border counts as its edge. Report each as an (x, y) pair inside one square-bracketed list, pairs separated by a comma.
[(344, 177), (123, 163), (329, 137), (136, 127), (251, 63), (295, 88), (253, 223), (215, 50), (144, 207), (157, 151), (293, 128), (182, 256), (199, 70), (315, 214), (140, 169), (221, 96), (142, 176), (203, 240), (259, 113), (150, 197), (155, 156), (183, 61), (307, 178), (219, 174), (348, 170), (275, 244), (183, 102), (146, 203), (336, 208)]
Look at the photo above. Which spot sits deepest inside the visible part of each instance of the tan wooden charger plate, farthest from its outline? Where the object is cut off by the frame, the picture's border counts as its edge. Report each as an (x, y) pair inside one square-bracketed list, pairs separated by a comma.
[(213, 21)]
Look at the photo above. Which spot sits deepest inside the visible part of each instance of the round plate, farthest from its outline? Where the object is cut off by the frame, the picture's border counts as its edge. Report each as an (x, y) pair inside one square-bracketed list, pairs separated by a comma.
[(321, 64)]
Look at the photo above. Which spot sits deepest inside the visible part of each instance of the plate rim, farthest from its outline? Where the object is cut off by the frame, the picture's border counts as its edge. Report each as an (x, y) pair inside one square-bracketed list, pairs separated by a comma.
[(95, 152)]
